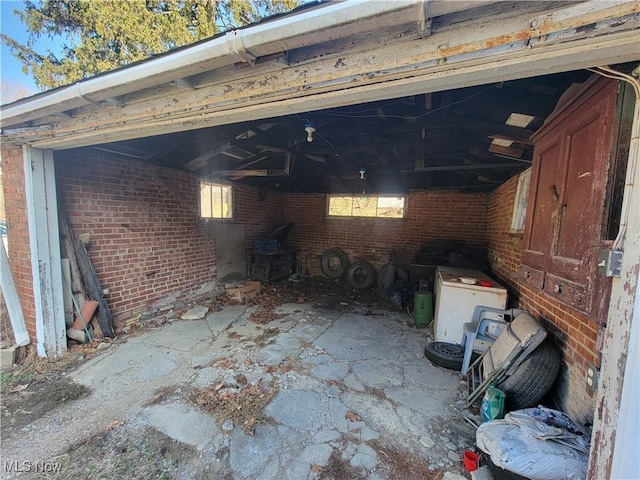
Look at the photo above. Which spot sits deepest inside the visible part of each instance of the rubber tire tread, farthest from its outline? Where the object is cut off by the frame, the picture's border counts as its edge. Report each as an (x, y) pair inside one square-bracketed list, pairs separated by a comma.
[(432, 352), (370, 279), (533, 378), (326, 259)]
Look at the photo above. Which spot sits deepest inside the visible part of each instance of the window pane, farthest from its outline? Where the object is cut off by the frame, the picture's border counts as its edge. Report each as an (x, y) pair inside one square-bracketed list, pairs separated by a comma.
[(216, 193), (340, 206), (205, 200), (227, 201), (216, 200), (364, 207), (391, 207)]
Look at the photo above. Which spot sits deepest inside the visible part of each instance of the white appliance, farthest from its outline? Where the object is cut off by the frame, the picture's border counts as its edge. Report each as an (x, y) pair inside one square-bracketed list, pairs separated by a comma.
[(455, 300)]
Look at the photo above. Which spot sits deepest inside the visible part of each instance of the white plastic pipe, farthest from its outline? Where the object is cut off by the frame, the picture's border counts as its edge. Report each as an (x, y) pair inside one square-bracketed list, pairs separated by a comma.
[(11, 298)]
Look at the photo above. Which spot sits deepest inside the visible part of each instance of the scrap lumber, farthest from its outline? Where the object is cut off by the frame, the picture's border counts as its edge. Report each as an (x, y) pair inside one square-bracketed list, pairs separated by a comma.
[(94, 289)]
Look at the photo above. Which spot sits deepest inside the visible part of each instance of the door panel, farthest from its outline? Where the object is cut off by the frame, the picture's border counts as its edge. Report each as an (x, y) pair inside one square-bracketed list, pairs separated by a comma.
[(581, 211), (544, 203)]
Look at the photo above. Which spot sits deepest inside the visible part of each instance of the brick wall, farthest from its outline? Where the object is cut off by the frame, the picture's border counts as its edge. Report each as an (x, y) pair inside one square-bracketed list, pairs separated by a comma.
[(147, 240), (430, 216), (18, 231), (260, 211), (574, 333)]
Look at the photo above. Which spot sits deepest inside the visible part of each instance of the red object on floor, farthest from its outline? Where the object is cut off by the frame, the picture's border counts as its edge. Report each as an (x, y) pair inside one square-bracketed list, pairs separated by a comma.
[(470, 461)]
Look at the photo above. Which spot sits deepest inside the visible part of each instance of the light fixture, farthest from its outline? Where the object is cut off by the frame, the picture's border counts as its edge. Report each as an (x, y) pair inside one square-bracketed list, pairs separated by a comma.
[(309, 128), (362, 172)]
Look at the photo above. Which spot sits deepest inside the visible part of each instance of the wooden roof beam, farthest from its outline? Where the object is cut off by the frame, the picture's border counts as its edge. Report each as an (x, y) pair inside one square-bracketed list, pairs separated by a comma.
[(202, 160), (486, 166)]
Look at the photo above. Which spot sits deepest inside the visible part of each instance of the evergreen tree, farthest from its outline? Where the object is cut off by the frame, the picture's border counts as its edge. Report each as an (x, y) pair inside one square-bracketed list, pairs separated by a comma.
[(100, 35)]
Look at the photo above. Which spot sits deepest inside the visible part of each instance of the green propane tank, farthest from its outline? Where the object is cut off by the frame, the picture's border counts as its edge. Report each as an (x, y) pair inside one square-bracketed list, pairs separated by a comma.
[(492, 404), (423, 308)]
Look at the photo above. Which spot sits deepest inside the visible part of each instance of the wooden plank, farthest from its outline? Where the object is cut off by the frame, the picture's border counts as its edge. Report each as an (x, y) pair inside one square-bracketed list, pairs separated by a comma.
[(12, 301), (94, 290), (44, 242), (270, 148), (487, 166), (250, 173), (315, 158), (507, 137), (202, 160), (507, 151)]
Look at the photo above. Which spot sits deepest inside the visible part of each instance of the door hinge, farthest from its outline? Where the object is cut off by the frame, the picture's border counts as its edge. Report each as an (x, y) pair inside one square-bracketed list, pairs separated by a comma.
[(610, 263)]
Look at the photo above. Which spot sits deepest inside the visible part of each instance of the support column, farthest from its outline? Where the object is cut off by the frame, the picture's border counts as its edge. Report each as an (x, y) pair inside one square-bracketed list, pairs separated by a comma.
[(44, 241)]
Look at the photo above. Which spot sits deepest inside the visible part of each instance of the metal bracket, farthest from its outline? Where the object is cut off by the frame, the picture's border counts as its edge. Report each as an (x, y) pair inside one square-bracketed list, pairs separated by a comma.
[(610, 263)]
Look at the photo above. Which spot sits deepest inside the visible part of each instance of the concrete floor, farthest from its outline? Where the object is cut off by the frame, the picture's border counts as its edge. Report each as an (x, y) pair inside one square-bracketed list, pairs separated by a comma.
[(369, 364)]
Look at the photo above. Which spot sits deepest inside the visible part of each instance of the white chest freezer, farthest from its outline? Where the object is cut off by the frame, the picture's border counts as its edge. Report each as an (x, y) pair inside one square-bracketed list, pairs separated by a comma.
[(455, 300)]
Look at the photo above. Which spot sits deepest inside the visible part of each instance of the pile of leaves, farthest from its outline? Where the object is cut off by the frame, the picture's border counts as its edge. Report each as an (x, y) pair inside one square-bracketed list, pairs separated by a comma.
[(243, 403), (271, 298)]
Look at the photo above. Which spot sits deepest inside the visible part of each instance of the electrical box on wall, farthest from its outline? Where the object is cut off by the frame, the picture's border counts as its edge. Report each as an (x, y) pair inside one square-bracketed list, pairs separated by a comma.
[(610, 263)]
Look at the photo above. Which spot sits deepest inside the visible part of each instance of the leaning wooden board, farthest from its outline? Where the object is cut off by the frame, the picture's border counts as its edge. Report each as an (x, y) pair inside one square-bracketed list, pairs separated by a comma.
[(92, 284)]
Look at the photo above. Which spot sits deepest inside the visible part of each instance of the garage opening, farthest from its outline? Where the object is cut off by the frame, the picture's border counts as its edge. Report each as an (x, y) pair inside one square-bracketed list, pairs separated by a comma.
[(437, 179), (344, 216)]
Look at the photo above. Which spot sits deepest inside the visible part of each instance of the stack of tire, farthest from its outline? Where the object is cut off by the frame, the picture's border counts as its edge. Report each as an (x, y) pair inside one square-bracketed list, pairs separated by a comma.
[(335, 264)]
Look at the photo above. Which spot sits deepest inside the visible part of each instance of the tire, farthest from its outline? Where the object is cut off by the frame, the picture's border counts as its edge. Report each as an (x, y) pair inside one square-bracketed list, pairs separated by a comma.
[(533, 378), (361, 275), (334, 263), (443, 354), (401, 274)]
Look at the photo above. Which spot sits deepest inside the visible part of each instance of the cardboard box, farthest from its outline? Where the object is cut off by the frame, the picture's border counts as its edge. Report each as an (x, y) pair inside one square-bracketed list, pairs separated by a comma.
[(244, 291)]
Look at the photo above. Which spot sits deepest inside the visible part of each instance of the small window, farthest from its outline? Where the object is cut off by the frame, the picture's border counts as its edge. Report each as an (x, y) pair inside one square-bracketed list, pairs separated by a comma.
[(366, 206), (521, 201), (216, 200)]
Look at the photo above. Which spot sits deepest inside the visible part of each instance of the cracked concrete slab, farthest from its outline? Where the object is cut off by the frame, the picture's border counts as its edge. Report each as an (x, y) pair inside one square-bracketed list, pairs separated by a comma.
[(250, 454), (365, 457), (305, 410), (331, 371), (219, 321), (182, 336), (289, 308), (184, 423), (377, 373), (324, 363)]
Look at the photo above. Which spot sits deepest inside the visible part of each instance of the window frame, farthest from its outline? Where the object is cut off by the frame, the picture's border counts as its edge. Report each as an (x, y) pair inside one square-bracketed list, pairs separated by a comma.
[(376, 217), (212, 183), (519, 215)]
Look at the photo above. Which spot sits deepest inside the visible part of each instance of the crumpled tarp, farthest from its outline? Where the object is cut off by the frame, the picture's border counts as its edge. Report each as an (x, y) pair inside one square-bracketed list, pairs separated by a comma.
[(537, 443)]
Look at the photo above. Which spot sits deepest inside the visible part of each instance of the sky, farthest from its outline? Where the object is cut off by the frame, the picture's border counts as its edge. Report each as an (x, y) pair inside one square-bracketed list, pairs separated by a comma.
[(10, 67)]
